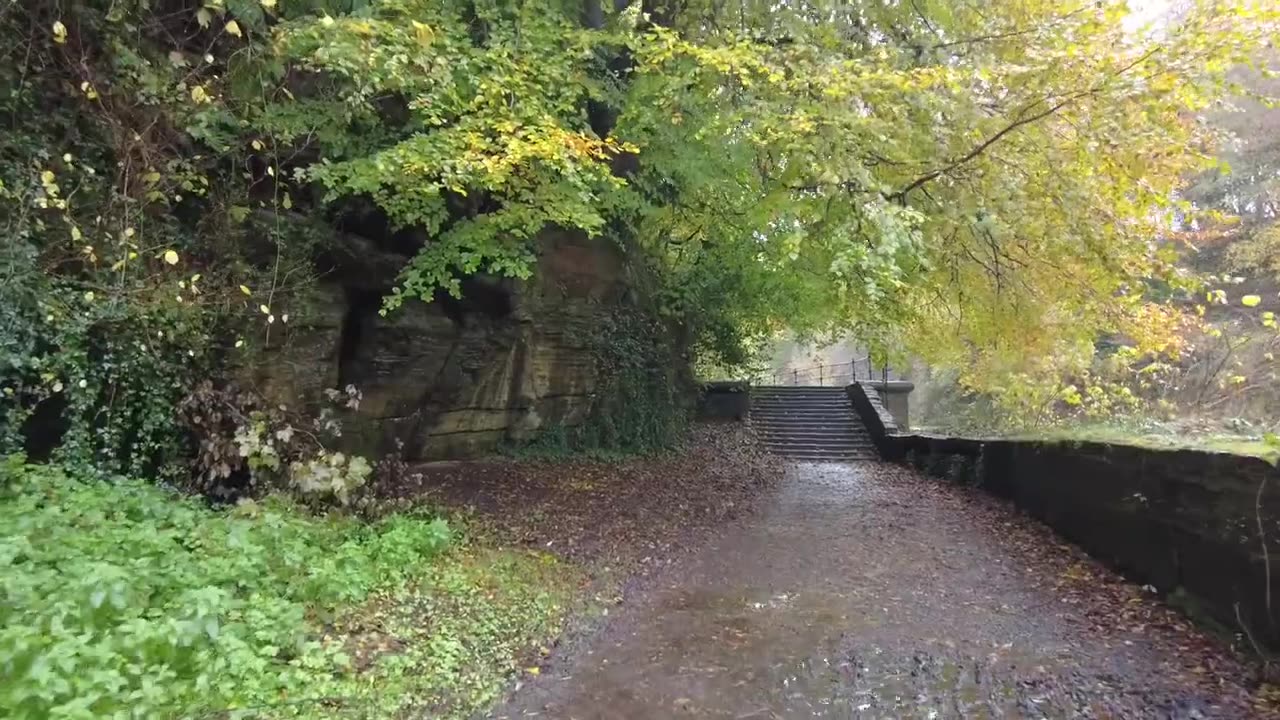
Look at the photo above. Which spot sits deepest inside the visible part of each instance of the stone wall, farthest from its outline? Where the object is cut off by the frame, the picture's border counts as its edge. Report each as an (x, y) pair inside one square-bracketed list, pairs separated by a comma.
[(1198, 526), (725, 400), (450, 378), (894, 395)]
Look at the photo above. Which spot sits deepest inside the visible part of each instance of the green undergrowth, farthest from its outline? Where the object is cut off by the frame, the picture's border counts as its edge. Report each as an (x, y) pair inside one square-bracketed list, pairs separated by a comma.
[(121, 599)]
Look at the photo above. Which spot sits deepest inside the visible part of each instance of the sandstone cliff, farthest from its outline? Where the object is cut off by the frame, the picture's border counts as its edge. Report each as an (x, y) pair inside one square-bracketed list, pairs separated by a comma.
[(454, 377)]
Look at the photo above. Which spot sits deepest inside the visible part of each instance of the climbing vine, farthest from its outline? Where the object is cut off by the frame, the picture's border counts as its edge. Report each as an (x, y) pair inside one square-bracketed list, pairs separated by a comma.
[(642, 402), (641, 396)]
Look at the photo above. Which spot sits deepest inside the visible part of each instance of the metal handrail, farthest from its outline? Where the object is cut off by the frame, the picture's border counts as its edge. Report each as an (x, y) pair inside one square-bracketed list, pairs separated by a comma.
[(819, 372)]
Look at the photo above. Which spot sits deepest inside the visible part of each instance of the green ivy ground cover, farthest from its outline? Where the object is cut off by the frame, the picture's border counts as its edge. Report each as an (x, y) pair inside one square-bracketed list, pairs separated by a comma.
[(121, 599)]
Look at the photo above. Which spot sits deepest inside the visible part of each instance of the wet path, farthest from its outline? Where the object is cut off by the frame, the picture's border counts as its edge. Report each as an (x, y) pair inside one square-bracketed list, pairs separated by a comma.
[(865, 591)]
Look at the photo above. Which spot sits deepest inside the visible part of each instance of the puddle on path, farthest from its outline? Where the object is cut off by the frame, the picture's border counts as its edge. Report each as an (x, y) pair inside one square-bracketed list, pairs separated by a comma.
[(854, 593)]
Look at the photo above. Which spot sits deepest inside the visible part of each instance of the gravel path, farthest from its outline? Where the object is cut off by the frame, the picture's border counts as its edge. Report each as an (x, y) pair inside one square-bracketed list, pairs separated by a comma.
[(867, 591)]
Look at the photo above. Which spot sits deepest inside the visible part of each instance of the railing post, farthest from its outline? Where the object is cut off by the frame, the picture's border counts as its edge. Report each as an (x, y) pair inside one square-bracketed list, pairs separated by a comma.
[(822, 381), (795, 376)]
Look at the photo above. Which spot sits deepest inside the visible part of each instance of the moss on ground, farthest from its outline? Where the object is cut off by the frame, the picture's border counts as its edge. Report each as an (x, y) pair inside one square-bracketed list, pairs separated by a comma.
[(1159, 439)]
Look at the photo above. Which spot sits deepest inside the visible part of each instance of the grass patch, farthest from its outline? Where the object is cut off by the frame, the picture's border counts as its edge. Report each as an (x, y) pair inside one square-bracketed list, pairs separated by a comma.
[(120, 598), (1162, 439)]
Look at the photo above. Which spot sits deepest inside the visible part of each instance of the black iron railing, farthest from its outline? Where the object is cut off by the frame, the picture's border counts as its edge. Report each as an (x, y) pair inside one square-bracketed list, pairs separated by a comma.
[(833, 374)]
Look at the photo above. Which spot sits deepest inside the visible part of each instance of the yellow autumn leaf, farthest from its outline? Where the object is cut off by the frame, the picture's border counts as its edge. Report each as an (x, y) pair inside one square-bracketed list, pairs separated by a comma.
[(233, 28), (265, 310), (204, 17), (59, 32), (423, 32), (245, 289), (171, 257), (1250, 300)]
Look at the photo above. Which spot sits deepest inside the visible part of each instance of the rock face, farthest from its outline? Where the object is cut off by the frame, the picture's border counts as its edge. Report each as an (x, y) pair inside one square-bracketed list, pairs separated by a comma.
[(450, 378)]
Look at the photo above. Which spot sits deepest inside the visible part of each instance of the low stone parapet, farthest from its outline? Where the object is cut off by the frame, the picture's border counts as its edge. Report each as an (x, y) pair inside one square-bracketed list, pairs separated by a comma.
[(1200, 527)]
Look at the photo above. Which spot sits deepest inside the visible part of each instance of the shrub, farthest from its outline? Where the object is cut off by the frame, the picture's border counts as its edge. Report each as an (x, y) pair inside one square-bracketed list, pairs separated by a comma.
[(121, 598)]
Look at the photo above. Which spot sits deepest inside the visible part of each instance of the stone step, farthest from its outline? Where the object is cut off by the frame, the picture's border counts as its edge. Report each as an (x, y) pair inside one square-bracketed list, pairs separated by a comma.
[(830, 457), (809, 430), (837, 395), (814, 434), (833, 397), (810, 424), (832, 421), (796, 392), (842, 430), (794, 411), (793, 408), (787, 397), (822, 431), (797, 388), (809, 451), (818, 445), (799, 399), (807, 419), (796, 407), (803, 397)]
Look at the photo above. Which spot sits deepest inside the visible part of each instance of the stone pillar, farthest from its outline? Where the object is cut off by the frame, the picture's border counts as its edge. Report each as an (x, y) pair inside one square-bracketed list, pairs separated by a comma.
[(893, 395)]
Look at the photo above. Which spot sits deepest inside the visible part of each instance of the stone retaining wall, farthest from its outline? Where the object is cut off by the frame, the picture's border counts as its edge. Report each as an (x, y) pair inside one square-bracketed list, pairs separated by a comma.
[(1190, 523), (725, 400)]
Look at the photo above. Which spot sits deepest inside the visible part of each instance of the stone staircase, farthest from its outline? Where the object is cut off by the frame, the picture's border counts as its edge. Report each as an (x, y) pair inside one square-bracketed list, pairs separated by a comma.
[(810, 423)]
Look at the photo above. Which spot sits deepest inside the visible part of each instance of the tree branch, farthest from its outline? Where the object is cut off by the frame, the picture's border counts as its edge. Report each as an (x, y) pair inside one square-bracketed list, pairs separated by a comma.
[(1003, 35), (982, 147), (1021, 120)]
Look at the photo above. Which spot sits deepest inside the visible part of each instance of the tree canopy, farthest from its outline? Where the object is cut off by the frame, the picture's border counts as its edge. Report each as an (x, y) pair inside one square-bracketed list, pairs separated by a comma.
[(981, 183), (988, 185)]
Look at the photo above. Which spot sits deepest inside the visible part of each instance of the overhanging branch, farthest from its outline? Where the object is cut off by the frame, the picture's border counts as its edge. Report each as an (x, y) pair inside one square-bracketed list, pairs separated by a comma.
[(1022, 119)]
